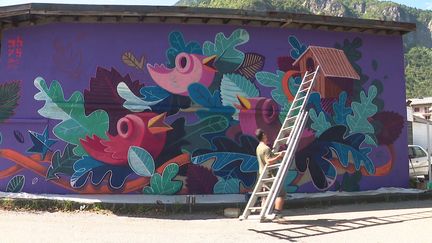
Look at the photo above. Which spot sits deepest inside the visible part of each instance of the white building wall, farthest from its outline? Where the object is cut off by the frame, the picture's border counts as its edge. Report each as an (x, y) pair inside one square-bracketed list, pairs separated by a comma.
[(420, 134)]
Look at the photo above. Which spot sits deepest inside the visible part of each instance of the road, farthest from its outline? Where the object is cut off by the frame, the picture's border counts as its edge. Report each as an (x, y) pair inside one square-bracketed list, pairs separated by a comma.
[(399, 222)]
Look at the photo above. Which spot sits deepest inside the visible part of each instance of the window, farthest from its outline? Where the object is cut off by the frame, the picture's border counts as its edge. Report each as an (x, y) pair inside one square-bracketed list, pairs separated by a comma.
[(310, 65), (416, 109), (427, 117), (419, 152), (410, 152), (426, 109)]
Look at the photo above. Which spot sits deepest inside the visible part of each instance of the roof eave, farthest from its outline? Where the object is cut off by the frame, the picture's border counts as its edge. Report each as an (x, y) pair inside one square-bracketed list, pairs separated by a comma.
[(227, 16)]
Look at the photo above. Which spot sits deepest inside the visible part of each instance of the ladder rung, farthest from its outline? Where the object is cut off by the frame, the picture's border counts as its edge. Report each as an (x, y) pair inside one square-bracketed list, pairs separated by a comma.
[(274, 166), (282, 139), (260, 194), (297, 107), (299, 99), (287, 128), (268, 179), (310, 74), (303, 89), (255, 208)]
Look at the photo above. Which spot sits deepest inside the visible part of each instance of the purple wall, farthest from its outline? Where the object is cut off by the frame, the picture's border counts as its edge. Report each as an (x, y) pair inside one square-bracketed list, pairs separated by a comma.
[(115, 122)]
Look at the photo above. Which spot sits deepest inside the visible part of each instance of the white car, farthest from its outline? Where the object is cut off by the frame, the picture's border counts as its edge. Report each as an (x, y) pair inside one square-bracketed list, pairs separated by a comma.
[(419, 166)]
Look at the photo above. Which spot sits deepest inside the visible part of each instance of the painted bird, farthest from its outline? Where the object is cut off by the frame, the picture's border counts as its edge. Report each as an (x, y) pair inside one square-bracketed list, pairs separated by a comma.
[(189, 68), (146, 130), (259, 113)]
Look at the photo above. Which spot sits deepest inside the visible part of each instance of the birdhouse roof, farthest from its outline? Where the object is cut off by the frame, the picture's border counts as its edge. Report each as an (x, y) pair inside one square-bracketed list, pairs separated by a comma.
[(333, 62)]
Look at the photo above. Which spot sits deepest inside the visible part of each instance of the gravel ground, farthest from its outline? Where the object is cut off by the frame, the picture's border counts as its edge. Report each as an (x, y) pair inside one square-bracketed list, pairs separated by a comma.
[(407, 221)]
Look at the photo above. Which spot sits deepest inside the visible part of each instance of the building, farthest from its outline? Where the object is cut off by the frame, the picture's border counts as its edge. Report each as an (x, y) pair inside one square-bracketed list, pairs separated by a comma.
[(165, 100), (422, 107)]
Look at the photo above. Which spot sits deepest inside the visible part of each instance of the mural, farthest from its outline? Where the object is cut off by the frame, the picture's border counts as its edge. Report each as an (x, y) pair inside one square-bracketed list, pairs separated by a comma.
[(175, 112)]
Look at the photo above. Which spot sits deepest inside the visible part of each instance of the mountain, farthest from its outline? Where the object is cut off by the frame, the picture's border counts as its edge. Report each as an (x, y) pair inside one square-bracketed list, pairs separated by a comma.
[(417, 45)]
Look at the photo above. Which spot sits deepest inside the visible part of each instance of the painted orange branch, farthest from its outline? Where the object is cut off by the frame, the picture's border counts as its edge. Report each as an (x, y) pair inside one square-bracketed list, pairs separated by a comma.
[(32, 164)]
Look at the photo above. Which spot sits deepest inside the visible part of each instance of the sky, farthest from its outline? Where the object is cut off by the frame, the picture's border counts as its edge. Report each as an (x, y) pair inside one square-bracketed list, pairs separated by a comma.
[(423, 4)]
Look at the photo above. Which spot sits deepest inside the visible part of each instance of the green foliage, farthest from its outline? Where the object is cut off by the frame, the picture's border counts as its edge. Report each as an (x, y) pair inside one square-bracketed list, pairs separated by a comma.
[(418, 72), (163, 184), (9, 96), (350, 183), (340, 110), (74, 125), (62, 163), (228, 57), (358, 122), (319, 122)]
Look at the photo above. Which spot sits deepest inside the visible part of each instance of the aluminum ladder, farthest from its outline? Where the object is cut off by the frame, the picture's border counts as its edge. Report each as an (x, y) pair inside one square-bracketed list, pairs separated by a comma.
[(287, 141)]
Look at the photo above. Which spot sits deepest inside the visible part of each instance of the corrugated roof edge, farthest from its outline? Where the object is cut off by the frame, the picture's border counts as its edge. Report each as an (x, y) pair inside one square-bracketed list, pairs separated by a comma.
[(39, 13)]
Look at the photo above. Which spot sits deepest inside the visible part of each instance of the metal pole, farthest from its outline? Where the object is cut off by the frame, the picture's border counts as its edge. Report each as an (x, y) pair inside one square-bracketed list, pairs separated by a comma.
[(429, 186)]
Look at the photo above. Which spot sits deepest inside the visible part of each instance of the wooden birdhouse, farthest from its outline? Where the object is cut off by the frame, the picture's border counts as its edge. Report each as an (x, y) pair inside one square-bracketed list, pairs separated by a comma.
[(336, 72)]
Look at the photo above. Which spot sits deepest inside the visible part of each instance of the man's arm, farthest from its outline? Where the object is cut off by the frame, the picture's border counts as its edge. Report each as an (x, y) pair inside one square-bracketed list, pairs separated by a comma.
[(270, 158)]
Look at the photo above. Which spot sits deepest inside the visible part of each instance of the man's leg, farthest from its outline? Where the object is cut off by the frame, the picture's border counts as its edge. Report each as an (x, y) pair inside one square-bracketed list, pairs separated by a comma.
[(279, 203)]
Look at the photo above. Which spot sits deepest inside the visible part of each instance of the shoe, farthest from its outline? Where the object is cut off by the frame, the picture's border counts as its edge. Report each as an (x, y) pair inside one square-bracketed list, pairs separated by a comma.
[(278, 217)]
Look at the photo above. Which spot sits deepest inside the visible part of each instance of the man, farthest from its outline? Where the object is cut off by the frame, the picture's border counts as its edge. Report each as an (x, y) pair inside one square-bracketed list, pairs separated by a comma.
[(266, 156)]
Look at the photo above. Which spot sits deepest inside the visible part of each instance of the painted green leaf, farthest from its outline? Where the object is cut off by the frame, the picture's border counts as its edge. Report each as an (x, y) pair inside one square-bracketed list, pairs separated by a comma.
[(62, 163), (230, 186), (16, 184), (273, 80), (164, 185), (358, 122), (194, 133), (9, 96), (74, 125), (319, 123), (340, 110), (233, 85), (228, 57), (133, 102), (140, 161)]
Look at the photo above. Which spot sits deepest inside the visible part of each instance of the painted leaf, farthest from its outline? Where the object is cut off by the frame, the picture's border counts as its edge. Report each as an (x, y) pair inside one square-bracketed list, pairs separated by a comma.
[(298, 48), (89, 169), (230, 186), (285, 63), (319, 123), (211, 103), (252, 63), (228, 58), (179, 45), (234, 85), (140, 161), (9, 96), (358, 122), (41, 143), (194, 133), (132, 102), (16, 184), (153, 93), (275, 81), (74, 125), (289, 180), (164, 185), (62, 163), (129, 59), (200, 180), (359, 157), (249, 162), (340, 110), (103, 95)]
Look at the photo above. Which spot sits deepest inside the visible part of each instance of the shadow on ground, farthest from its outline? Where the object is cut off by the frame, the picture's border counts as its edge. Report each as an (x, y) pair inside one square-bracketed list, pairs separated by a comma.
[(298, 229)]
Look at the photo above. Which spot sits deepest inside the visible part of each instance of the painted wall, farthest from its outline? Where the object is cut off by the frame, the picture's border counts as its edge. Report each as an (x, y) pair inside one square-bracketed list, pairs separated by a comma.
[(171, 109)]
